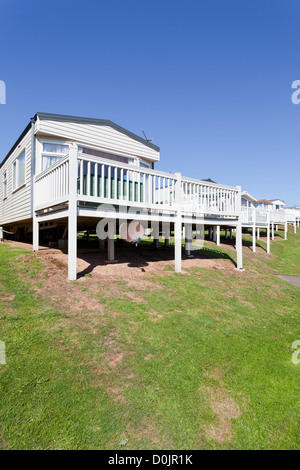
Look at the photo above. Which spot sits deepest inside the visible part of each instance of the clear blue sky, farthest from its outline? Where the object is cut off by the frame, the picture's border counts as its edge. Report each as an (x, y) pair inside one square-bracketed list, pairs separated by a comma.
[(208, 80)]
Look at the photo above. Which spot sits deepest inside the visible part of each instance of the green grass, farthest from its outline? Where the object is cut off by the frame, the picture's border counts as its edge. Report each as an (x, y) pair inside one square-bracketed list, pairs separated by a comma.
[(287, 255), (188, 346)]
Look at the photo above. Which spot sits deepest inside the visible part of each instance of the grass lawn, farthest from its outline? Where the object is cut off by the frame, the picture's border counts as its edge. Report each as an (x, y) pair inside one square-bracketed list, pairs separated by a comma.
[(200, 360)]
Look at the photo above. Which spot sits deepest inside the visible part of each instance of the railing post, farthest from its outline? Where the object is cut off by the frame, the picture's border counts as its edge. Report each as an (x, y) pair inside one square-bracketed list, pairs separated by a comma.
[(239, 241), (178, 223), (72, 222)]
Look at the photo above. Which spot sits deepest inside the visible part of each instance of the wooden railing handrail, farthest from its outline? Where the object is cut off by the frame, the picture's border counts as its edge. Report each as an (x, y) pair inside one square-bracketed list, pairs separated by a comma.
[(53, 167), (186, 179)]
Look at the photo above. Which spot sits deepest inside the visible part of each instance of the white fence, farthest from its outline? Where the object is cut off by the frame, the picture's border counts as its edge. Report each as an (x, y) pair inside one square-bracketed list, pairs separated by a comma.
[(52, 185), (105, 181), (293, 215), (278, 217), (251, 215), (208, 198)]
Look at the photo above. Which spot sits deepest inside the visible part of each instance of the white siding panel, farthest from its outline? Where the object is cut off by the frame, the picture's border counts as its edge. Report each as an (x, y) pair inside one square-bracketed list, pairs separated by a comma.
[(101, 136), (17, 205)]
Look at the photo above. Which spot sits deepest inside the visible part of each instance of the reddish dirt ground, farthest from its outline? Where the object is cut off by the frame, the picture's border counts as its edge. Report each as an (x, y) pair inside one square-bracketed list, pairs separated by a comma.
[(131, 261), (134, 262), (135, 265)]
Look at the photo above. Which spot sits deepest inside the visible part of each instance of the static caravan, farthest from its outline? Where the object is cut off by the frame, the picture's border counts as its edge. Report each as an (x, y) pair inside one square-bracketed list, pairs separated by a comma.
[(68, 173)]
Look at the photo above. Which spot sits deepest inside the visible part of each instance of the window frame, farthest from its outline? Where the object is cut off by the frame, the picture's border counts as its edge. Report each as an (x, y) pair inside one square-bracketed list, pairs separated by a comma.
[(15, 172), (49, 154), (145, 164), (132, 160)]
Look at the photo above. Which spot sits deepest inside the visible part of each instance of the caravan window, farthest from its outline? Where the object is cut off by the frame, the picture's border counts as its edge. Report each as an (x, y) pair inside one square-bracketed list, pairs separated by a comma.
[(52, 152), (143, 164), (106, 155), (19, 171)]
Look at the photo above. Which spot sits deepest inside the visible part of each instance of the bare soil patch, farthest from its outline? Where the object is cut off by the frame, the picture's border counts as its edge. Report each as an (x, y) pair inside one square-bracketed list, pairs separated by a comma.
[(136, 268), (224, 407)]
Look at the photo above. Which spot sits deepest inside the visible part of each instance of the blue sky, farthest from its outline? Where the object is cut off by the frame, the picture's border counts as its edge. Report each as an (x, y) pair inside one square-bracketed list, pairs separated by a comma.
[(209, 81)]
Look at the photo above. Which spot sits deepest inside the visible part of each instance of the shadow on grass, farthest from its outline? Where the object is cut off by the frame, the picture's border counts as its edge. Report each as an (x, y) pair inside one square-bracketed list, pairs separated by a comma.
[(211, 253)]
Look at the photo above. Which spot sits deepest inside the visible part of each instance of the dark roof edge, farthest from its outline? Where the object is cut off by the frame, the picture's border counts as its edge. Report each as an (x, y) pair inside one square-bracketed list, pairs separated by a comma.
[(61, 117), (27, 129), (102, 122)]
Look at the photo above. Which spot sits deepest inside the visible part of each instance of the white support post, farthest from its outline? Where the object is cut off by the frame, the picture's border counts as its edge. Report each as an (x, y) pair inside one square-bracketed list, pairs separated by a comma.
[(72, 222), (188, 239), (167, 237), (226, 233), (201, 232), (155, 233), (1, 234), (273, 235), (239, 246), (268, 233), (218, 241), (268, 239), (166, 233), (253, 231), (215, 234), (239, 240), (111, 243), (35, 233), (178, 224), (295, 228), (231, 236), (285, 230), (258, 233), (276, 227)]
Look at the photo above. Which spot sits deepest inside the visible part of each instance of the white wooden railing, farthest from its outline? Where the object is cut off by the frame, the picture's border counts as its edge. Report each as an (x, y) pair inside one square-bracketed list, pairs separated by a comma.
[(102, 180), (209, 198), (106, 181), (251, 215), (264, 216), (52, 185), (293, 215), (278, 217)]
